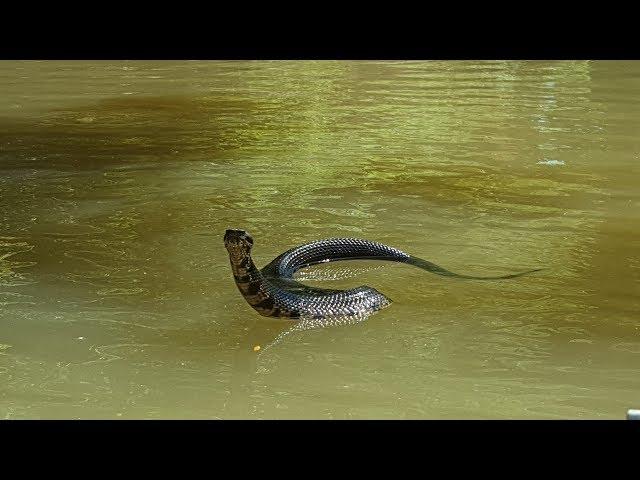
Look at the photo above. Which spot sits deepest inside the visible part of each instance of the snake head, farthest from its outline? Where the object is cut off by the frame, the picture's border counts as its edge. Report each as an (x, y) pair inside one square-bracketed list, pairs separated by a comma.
[(238, 243)]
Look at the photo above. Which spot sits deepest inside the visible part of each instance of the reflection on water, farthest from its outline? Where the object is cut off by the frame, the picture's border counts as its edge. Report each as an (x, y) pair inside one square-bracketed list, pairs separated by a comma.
[(118, 179)]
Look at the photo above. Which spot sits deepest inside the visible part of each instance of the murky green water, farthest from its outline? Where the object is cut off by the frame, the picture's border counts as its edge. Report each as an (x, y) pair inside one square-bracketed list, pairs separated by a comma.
[(118, 179)]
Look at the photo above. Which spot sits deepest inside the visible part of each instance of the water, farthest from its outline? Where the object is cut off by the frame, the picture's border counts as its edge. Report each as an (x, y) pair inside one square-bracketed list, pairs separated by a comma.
[(118, 180)]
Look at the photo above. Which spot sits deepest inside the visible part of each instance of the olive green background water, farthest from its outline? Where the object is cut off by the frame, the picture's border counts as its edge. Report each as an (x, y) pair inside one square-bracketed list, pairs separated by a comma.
[(118, 179)]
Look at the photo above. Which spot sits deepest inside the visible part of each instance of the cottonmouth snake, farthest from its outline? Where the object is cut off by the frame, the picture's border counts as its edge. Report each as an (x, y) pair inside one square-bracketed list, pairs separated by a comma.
[(273, 292)]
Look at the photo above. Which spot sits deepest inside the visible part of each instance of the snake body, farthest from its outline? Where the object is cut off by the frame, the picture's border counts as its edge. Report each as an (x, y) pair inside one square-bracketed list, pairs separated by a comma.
[(273, 291)]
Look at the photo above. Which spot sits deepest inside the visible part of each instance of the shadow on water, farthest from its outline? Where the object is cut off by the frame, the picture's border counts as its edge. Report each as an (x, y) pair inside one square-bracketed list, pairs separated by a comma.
[(123, 129), (91, 189)]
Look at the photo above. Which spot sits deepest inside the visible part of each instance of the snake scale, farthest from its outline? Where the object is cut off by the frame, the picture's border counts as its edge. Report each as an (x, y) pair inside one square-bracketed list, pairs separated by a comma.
[(273, 291)]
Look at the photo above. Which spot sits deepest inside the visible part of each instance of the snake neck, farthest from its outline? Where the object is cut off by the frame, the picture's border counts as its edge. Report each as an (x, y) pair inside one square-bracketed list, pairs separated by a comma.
[(247, 276), (252, 285)]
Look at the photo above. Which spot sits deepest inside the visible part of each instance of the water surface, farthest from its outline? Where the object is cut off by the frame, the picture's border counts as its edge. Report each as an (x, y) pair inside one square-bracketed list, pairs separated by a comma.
[(118, 180)]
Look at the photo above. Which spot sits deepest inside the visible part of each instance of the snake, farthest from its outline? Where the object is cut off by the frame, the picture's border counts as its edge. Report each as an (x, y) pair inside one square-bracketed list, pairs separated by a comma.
[(274, 292)]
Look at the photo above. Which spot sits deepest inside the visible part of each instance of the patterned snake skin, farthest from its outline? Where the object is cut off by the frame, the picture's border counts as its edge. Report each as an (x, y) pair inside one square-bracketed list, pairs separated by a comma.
[(273, 292)]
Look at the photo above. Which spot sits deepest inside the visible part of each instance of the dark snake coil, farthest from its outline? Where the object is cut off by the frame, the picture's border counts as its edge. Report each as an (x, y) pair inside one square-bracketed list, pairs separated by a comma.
[(273, 292)]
